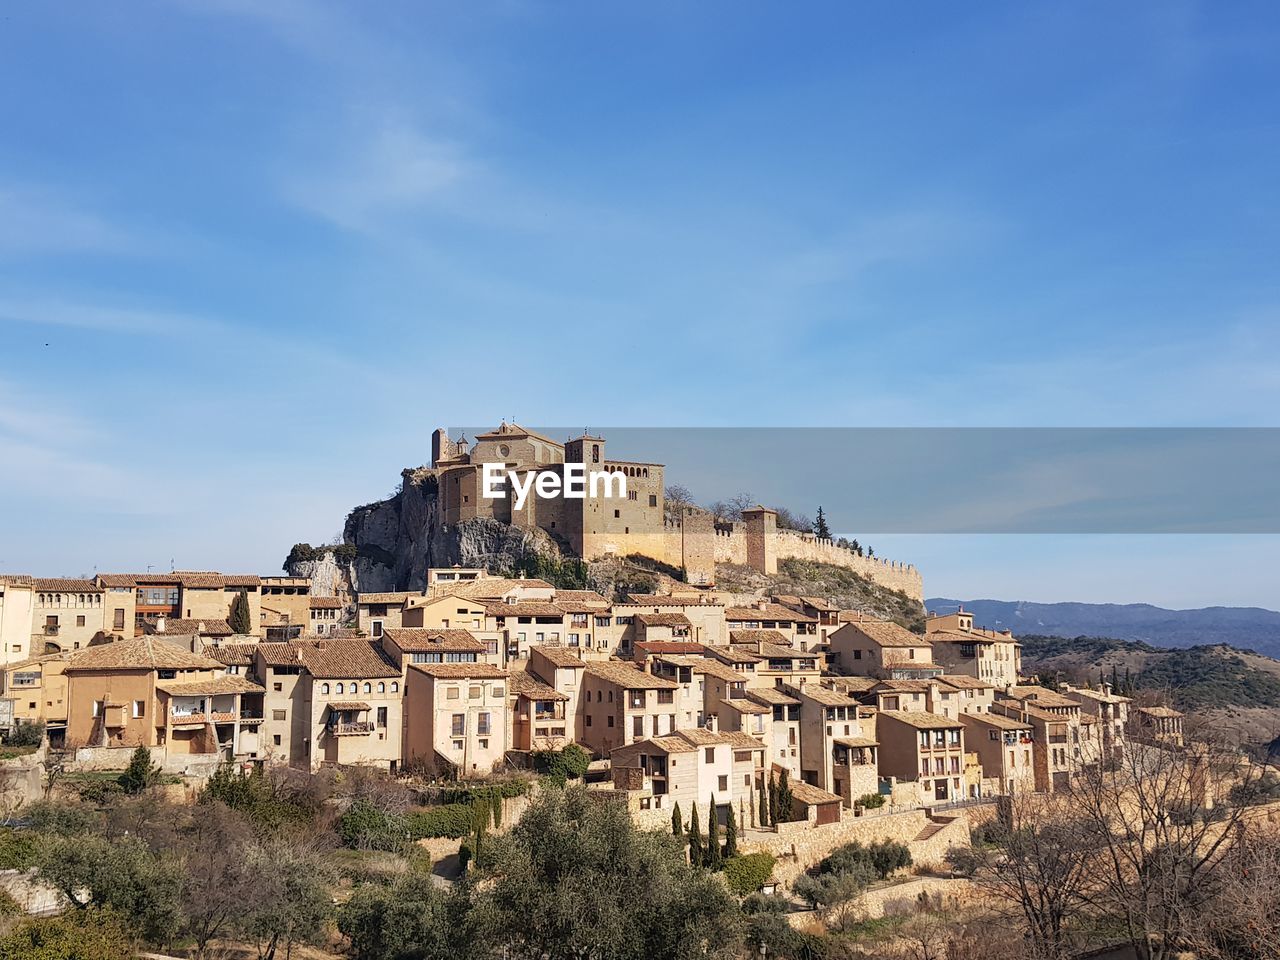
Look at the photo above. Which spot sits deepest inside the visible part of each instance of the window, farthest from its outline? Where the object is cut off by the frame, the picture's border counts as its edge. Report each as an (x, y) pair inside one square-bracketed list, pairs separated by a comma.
[(278, 715), (475, 692), (724, 783), (382, 716), (338, 688), (588, 720), (610, 720), (278, 687), (382, 687), (395, 686), (80, 621), (653, 500), (482, 726), (117, 622), (451, 693), (711, 754), (376, 628), (139, 708), (617, 514), (459, 724), (637, 726), (324, 689)]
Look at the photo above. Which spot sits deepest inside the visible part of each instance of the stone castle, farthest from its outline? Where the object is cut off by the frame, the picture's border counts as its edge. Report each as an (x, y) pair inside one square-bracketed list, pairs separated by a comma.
[(597, 527)]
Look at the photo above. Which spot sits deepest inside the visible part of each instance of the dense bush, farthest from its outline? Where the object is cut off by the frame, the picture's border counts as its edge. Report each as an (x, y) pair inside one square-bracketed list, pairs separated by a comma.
[(76, 935), (451, 820), (100, 791), (749, 872), (28, 734), (870, 801), (262, 797), (560, 765), (17, 849), (364, 826)]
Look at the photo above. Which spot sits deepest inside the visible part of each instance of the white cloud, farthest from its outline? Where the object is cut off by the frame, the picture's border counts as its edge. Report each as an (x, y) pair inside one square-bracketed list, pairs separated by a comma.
[(34, 220)]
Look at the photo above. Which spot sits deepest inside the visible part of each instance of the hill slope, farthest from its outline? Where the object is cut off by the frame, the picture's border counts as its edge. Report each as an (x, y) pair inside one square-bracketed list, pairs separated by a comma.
[(1251, 628), (1236, 689)]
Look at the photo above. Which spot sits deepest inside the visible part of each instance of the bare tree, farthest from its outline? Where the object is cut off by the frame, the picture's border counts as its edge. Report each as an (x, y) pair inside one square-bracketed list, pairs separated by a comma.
[(676, 498), (1165, 830), (1244, 922), (1041, 868)]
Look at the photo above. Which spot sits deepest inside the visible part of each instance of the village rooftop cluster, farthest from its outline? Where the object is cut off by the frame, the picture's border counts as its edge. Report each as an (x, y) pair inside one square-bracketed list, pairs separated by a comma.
[(678, 697)]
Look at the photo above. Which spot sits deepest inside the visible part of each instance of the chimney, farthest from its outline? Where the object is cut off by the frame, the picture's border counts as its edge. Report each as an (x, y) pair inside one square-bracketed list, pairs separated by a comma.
[(159, 624)]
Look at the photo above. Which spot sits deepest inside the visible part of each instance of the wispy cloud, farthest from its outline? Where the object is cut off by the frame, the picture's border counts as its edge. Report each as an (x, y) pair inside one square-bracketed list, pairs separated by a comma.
[(37, 221), (103, 319)]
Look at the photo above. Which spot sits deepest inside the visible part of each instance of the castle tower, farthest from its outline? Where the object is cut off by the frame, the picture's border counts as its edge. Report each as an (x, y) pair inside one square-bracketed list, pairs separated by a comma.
[(440, 445), (762, 539), (585, 449), (698, 547)]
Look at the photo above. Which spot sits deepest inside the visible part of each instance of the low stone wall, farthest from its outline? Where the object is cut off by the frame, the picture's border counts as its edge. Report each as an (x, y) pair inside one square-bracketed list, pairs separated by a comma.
[(799, 846), (22, 779), (31, 895), (90, 759)]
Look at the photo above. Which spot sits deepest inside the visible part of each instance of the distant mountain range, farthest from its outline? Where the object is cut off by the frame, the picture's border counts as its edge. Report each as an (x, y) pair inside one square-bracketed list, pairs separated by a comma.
[(1246, 628)]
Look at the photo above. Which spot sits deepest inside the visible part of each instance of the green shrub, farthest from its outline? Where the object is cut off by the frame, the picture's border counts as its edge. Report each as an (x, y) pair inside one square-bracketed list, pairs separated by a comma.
[(748, 872), (17, 849), (141, 772), (870, 801), (100, 791), (450, 820), (560, 765), (363, 826), (28, 734)]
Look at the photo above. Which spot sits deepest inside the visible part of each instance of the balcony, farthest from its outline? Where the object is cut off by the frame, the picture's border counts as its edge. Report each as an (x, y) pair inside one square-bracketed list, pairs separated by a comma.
[(51, 629), (353, 729), (188, 718)]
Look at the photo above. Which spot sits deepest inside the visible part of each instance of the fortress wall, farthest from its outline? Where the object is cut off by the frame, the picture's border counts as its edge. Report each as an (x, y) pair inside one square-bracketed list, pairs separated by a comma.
[(731, 546), (792, 545)]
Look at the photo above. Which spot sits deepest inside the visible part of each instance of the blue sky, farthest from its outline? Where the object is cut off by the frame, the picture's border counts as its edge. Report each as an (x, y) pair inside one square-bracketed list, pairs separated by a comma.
[(251, 254)]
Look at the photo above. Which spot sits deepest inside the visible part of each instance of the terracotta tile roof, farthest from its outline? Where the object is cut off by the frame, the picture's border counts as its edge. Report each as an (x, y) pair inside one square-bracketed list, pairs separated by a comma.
[(284, 654), (962, 682), (523, 608), (853, 685), (920, 720), (771, 696), (63, 585), (118, 579), (16, 580), (810, 795), (740, 653), (180, 626), (198, 688), (656, 647), (581, 596), (387, 598), (665, 600), (191, 579), (721, 671), (347, 705), (758, 636), (739, 739), (530, 687), (885, 633), (421, 639), (823, 695), (232, 654), (629, 678), (663, 620), (492, 588), (340, 659), (903, 686), (743, 705), (325, 603), (1040, 696), (963, 636), (1100, 696), (560, 656), (671, 744), (796, 602), (857, 741), (773, 651), (770, 611), (461, 671), (140, 653)]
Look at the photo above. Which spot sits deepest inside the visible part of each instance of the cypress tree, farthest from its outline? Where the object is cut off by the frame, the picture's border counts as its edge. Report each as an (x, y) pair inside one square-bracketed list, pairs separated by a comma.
[(677, 825), (730, 836), (239, 619), (784, 796), (820, 528), (1115, 679), (762, 806), (712, 856), (773, 800), (695, 838)]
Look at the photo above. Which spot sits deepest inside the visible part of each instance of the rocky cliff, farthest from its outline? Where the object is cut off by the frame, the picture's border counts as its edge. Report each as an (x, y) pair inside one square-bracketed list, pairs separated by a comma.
[(396, 540)]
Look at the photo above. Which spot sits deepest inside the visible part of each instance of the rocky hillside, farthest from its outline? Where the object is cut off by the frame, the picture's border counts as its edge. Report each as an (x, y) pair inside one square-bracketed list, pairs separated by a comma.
[(1253, 628), (1238, 689), (836, 584)]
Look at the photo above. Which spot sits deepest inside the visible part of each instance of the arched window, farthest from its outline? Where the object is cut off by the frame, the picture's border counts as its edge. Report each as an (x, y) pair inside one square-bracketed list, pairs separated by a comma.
[(324, 688), (382, 687), (338, 688), (595, 453), (368, 687), (395, 687)]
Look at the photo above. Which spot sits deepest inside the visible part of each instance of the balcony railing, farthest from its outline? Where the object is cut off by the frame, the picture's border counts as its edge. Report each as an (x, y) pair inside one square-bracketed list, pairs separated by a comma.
[(355, 728), (51, 629)]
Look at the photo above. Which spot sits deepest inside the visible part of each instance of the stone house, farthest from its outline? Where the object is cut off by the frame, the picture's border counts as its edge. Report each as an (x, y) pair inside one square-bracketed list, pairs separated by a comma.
[(457, 718), (925, 748), (1006, 749), (621, 704), (992, 655), (881, 648)]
